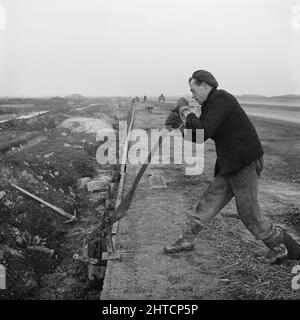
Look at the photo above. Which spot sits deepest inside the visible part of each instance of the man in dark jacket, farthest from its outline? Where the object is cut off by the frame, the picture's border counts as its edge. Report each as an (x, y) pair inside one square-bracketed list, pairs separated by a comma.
[(237, 169)]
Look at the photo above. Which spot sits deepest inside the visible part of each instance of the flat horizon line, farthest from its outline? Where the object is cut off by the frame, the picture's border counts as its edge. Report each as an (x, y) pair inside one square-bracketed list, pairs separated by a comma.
[(246, 95)]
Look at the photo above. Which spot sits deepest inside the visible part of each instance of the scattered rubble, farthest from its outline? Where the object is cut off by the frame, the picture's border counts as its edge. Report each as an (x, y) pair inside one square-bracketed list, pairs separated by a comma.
[(82, 182), (88, 125), (100, 184), (49, 155)]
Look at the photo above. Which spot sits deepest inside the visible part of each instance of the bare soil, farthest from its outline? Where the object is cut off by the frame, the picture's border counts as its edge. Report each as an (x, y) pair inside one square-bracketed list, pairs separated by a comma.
[(47, 159)]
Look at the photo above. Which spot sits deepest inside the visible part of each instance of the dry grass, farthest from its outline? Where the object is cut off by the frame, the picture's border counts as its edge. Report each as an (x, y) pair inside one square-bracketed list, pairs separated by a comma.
[(245, 274)]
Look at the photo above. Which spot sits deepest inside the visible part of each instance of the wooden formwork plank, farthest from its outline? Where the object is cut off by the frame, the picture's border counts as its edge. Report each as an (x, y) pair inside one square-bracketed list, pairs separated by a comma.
[(123, 172)]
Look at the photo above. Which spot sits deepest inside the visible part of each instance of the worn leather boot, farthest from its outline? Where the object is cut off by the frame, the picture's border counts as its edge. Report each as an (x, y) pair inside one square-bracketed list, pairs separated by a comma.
[(292, 245), (277, 255), (277, 250), (181, 244), (186, 241), (286, 247)]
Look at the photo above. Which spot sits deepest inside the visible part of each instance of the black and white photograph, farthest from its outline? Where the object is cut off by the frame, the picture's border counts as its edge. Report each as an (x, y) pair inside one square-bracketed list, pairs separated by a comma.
[(149, 151)]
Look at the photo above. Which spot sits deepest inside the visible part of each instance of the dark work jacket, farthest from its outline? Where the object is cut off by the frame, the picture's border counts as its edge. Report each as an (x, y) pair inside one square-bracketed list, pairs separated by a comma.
[(225, 122)]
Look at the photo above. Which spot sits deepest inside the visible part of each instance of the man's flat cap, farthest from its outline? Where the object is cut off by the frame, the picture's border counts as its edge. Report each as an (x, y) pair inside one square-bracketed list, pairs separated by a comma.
[(205, 76)]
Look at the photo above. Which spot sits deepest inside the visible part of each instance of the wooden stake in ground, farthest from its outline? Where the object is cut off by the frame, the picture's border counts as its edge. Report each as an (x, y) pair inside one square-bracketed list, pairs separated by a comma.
[(49, 205)]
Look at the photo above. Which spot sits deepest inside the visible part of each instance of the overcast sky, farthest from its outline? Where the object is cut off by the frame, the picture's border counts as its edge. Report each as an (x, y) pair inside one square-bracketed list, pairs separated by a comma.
[(136, 47)]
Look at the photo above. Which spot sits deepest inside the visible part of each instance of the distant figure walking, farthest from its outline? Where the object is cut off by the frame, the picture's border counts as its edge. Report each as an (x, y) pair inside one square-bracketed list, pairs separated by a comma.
[(161, 98), (137, 99), (145, 98)]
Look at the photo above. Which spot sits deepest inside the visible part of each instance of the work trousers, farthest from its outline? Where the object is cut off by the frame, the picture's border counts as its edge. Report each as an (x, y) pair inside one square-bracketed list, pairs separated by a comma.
[(243, 186)]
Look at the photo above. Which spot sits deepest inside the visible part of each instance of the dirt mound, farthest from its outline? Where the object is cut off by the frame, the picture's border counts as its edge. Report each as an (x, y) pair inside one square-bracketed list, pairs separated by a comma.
[(40, 122), (88, 125)]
